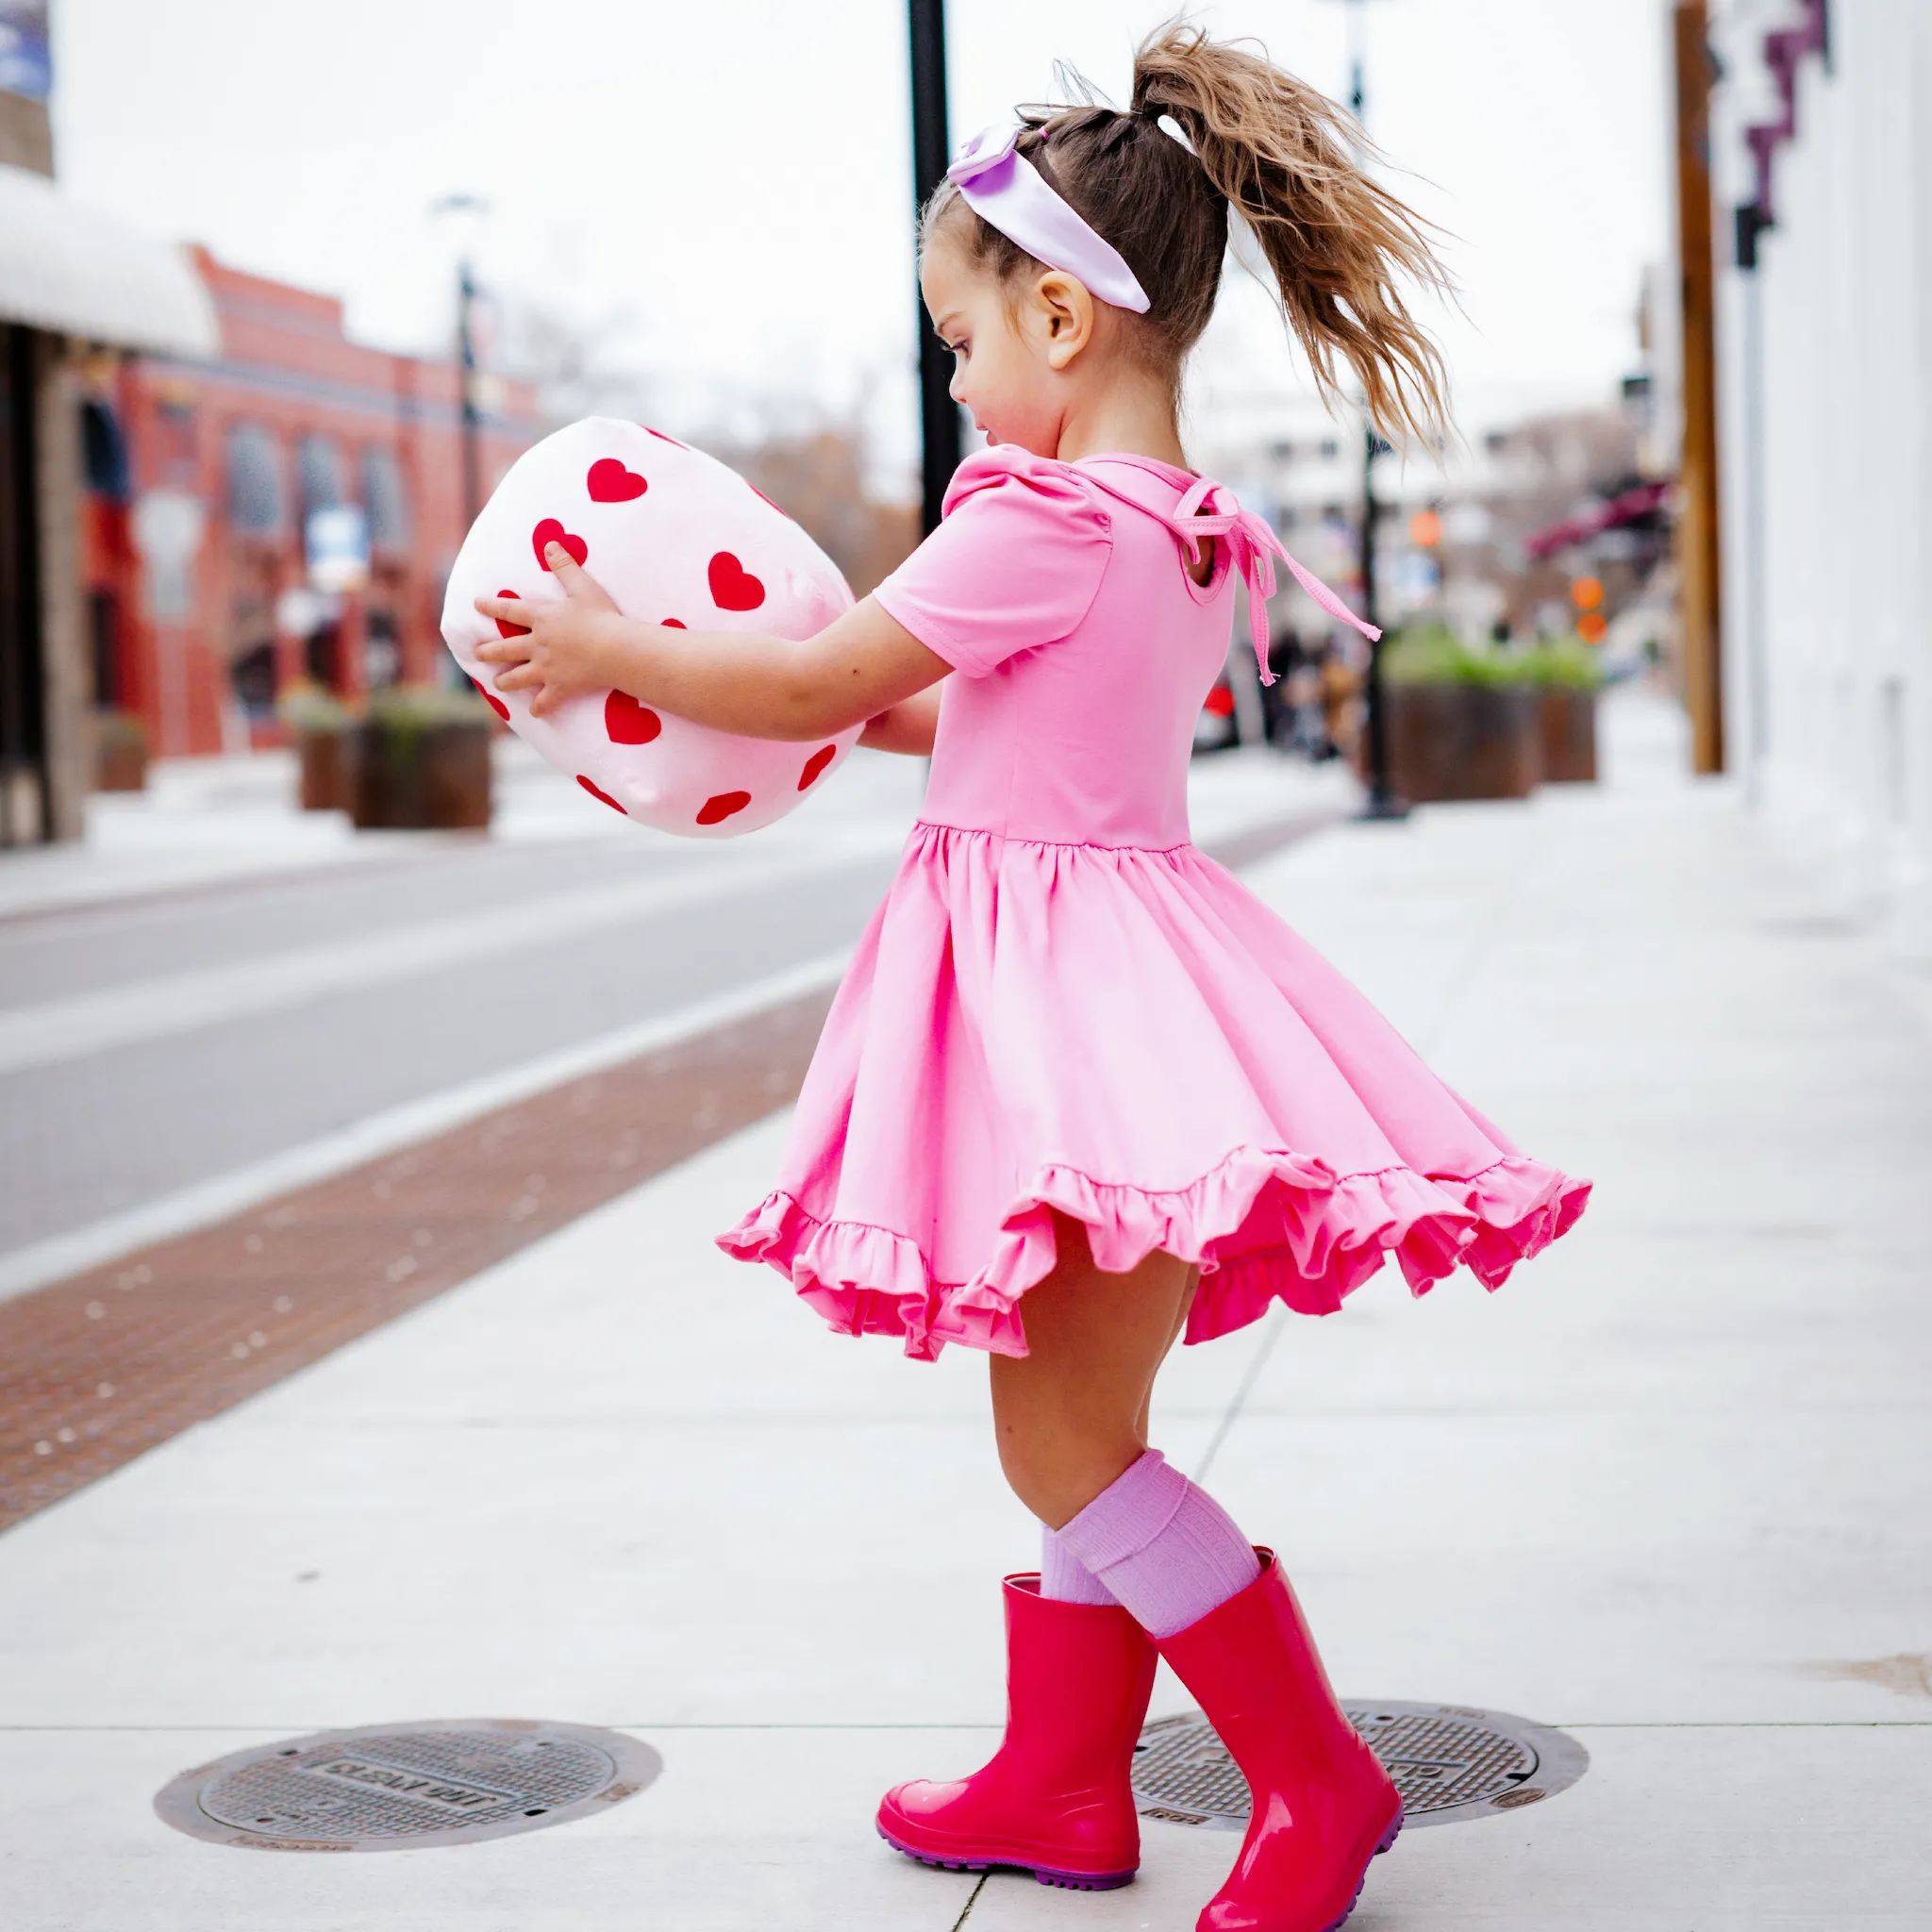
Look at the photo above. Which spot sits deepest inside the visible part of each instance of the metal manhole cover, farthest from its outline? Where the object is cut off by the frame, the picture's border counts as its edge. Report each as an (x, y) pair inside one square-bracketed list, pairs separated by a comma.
[(1448, 1763), (395, 1787)]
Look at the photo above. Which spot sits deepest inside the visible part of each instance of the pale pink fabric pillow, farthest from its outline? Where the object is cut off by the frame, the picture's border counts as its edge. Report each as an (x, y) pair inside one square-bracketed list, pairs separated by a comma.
[(676, 537)]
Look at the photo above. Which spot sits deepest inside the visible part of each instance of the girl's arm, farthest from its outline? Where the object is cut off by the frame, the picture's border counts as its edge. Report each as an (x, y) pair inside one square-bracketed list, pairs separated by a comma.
[(758, 687), (909, 727)]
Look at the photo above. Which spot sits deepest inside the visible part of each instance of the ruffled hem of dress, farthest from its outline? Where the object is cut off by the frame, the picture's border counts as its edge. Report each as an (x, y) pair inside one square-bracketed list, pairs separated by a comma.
[(1319, 1236)]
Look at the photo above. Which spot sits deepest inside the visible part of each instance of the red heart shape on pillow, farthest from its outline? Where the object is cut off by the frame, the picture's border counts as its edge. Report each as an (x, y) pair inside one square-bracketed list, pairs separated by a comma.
[(817, 764), (661, 436), (608, 481), (551, 531), (763, 498), (627, 722), (596, 791), (511, 630), (675, 623), (715, 810), (733, 586), (490, 698)]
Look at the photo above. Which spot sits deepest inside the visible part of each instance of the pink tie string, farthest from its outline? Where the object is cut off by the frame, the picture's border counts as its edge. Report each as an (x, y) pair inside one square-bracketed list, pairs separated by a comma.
[(1255, 546)]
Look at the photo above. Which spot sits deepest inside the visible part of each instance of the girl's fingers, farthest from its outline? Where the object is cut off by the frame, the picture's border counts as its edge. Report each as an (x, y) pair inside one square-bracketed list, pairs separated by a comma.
[(577, 581), (518, 678), (511, 609), (509, 650)]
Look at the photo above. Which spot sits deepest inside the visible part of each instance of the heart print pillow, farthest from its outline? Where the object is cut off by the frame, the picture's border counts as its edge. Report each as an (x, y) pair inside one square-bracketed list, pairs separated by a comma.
[(675, 538)]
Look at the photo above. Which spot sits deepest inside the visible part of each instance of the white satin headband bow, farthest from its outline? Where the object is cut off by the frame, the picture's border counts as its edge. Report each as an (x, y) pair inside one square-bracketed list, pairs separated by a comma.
[(1002, 187)]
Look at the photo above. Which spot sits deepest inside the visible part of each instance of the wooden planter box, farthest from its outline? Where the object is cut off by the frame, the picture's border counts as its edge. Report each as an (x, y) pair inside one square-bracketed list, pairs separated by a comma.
[(1568, 736), (119, 757), (433, 778), (1464, 741), (327, 761)]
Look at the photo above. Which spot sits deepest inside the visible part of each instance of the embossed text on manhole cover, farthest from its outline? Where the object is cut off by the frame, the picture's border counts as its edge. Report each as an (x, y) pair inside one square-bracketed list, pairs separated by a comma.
[(1449, 1763), (396, 1787)]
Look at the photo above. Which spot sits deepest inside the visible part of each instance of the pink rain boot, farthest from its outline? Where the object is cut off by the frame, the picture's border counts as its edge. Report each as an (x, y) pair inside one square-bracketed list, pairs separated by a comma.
[(1323, 1805), (1055, 1799)]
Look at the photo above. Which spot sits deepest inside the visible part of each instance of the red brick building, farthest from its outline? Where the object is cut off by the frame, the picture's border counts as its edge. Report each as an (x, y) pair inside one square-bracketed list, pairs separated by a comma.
[(201, 481)]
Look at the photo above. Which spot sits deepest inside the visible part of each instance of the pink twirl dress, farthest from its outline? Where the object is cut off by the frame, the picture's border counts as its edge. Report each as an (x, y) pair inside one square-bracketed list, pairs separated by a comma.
[(1061, 1004)]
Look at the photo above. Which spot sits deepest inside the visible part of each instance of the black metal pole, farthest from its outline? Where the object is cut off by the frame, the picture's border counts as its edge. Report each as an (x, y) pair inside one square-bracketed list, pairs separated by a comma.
[(938, 415), (472, 417), (1383, 801)]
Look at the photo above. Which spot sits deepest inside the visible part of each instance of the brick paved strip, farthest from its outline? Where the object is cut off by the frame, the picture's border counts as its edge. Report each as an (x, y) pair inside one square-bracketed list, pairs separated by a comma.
[(99, 1368), (105, 1365)]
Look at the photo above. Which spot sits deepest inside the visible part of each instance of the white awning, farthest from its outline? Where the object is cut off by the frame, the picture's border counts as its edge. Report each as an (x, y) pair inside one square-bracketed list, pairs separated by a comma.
[(66, 268)]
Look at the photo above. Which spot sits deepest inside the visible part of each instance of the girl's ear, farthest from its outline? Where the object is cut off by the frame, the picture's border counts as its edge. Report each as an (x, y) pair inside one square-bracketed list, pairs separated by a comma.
[(1063, 317)]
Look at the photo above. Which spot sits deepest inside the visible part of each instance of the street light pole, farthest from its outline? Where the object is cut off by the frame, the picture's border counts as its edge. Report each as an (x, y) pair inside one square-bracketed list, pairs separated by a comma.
[(473, 416), (938, 415), (1383, 801), (466, 359)]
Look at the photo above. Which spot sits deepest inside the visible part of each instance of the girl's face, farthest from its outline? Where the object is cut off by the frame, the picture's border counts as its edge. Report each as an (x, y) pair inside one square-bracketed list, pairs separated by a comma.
[(1015, 347)]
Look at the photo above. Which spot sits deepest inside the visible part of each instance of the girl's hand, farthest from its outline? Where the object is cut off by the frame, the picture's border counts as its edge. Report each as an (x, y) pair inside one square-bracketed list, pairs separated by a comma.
[(567, 648)]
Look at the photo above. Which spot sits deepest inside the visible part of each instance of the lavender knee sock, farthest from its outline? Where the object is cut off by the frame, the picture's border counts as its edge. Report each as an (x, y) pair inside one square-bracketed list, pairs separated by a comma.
[(1165, 1549), (1064, 1577)]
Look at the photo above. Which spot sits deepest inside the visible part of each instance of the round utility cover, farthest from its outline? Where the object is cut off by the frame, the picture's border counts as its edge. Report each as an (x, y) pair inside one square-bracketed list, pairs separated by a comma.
[(389, 1787), (1449, 1763)]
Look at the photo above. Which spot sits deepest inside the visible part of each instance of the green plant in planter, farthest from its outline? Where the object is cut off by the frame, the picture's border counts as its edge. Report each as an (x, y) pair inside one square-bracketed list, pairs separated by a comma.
[(1565, 663), (123, 732), (407, 712), (1433, 654), (306, 707)]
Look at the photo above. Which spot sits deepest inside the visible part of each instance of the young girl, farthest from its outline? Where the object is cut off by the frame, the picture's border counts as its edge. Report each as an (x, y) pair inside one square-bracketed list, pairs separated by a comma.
[(1079, 1090)]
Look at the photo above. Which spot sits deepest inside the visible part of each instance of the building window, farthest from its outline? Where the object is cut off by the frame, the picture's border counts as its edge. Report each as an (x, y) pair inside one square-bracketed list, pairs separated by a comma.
[(255, 480), (175, 436), (383, 501), (103, 452), (320, 470)]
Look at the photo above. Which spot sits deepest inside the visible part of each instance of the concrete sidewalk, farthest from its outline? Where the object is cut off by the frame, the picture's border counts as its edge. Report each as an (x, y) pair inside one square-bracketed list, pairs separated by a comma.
[(1669, 1491)]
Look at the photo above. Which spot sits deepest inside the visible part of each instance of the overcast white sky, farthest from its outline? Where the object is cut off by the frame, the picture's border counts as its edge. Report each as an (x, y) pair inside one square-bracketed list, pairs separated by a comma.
[(734, 173)]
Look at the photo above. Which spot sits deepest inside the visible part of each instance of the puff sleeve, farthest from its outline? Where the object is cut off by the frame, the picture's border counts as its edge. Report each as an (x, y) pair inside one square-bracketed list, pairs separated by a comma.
[(1014, 564)]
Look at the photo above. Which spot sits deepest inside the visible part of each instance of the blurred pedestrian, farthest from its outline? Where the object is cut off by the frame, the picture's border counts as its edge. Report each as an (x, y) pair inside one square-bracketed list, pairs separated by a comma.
[(1080, 1092)]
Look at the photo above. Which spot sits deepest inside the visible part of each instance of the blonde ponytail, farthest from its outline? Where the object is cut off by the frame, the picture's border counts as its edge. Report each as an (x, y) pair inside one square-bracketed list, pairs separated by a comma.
[(1284, 157)]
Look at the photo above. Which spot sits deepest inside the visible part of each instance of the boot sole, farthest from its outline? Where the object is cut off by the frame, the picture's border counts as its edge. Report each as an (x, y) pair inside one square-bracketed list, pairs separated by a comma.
[(1389, 1838), (1045, 1874)]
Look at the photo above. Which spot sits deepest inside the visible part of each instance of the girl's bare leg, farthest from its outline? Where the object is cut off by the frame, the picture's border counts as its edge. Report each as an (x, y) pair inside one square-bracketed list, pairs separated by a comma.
[(1180, 1322), (1070, 1415)]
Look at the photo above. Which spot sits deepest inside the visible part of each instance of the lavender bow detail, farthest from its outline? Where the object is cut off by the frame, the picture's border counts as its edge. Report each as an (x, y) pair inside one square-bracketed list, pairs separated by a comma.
[(982, 153), (1002, 187)]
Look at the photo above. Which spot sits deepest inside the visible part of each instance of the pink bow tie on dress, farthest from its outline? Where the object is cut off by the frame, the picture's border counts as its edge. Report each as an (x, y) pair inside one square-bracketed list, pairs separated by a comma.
[(1255, 546)]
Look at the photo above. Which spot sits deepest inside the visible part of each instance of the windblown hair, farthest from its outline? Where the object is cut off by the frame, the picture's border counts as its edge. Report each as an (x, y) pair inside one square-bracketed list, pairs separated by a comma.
[(1291, 164)]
